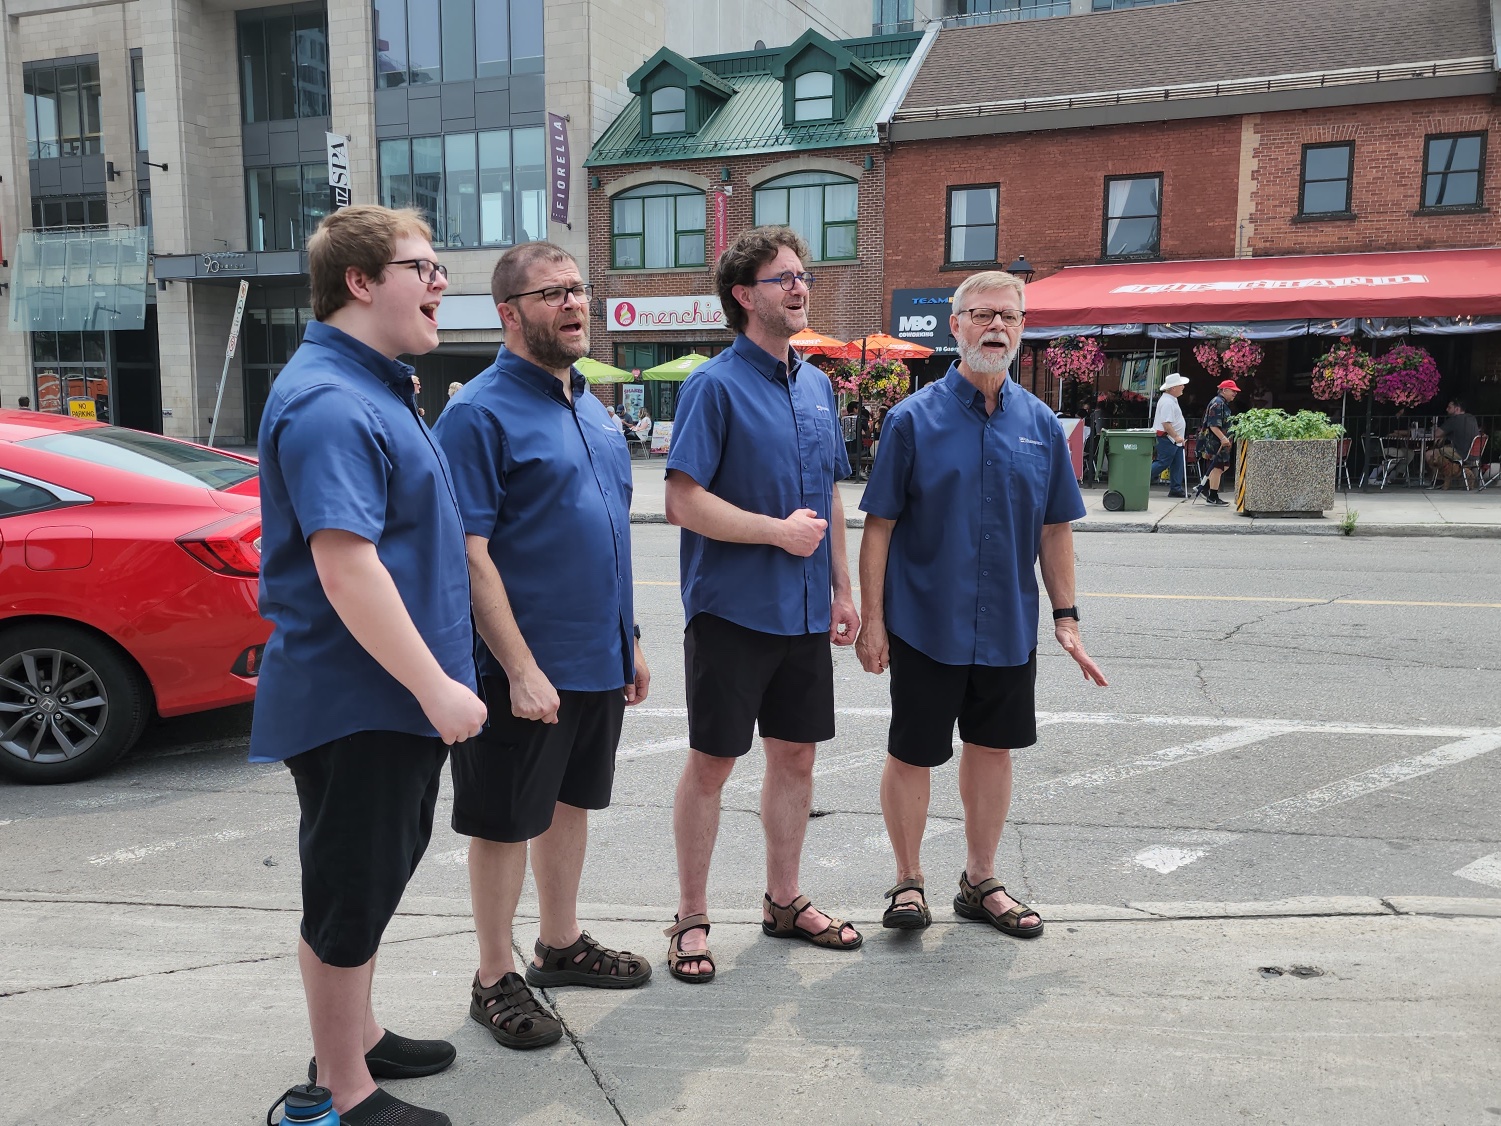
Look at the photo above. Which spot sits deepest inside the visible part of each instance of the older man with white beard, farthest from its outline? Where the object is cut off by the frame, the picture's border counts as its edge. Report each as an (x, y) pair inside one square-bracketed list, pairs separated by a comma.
[(973, 484)]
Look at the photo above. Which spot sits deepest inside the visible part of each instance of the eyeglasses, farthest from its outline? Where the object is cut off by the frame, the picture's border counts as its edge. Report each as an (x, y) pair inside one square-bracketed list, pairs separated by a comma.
[(557, 295), (426, 268), (787, 279), (1011, 318)]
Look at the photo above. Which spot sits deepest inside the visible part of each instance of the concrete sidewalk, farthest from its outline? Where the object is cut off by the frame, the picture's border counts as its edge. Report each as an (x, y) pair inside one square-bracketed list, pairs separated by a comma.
[(1307, 1011), (1395, 512)]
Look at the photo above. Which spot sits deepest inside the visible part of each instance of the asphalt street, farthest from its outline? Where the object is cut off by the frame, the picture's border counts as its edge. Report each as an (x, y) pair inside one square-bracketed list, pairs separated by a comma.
[(1286, 718)]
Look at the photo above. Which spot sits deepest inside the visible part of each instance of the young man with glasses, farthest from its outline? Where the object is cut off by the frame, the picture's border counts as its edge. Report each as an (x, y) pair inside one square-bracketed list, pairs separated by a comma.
[(544, 484), (369, 674), (751, 475), (973, 485)]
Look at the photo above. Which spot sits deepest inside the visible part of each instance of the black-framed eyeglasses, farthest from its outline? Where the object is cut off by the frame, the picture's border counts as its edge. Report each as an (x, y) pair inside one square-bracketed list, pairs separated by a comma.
[(787, 279), (557, 296), (982, 318), (426, 268)]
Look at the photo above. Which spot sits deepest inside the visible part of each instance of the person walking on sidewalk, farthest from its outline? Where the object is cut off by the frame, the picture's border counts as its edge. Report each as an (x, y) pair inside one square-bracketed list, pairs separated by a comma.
[(544, 485), (1172, 430), (1214, 443), (973, 485), (750, 480), (368, 677)]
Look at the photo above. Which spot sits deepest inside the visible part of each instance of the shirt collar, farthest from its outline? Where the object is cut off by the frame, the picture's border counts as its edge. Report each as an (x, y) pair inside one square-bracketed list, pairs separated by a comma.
[(543, 380), (393, 372), (776, 370), (970, 395)]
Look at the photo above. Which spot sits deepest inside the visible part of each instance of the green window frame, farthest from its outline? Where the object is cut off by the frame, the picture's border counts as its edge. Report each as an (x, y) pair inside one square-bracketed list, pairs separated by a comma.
[(669, 110), (813, 97), (658, 227), (820, 206)]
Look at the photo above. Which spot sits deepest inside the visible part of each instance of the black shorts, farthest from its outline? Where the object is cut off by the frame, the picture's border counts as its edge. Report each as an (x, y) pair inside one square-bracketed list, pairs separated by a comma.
[(367, 814), (508, 779), (739, 678), (994, 706)]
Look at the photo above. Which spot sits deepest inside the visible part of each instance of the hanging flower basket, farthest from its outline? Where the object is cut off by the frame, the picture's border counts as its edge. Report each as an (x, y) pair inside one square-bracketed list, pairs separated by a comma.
[(1406, 376), (1075, 359), (1235, 357), (1344, 370), (881, 383)]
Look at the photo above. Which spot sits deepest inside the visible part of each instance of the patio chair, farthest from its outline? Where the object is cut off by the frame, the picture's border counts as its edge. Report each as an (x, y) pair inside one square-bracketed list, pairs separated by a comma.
[(1471, 463), (1383, 462), (1342, 467)]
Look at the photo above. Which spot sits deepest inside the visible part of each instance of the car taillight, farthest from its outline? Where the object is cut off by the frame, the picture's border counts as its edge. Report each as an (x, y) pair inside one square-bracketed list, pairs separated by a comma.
[(228, 547)]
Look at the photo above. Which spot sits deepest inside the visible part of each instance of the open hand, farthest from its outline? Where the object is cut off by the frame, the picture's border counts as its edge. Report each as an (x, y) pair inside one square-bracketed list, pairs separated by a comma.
[(1066, 630)]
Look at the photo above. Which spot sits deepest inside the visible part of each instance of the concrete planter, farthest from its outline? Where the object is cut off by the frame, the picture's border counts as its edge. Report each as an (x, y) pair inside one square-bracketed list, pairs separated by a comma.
[(1285, 478)]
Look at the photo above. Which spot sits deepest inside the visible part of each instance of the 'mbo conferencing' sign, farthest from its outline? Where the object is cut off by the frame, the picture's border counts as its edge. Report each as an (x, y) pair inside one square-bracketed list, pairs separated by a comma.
[(922, 316), (648, 314)]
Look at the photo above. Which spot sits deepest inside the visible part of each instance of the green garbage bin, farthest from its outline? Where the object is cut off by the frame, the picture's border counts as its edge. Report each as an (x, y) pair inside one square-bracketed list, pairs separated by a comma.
[(1130, 453)]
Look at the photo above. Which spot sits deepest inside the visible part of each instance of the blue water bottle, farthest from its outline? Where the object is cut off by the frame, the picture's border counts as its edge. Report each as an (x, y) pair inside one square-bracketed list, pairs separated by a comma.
[(305, 1105)]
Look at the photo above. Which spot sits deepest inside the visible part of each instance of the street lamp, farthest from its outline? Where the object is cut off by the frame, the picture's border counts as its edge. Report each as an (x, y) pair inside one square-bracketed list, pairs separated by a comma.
[(1021, 268)]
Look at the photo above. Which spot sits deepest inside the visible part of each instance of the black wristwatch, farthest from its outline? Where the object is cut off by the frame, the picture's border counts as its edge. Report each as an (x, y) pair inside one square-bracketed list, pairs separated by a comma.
[(1066, 612), (636, 631)]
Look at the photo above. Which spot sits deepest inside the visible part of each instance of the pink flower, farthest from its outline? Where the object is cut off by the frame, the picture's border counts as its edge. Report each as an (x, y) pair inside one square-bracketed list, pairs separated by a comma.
[(1407, 376), (1075, 359), (1345, 370)]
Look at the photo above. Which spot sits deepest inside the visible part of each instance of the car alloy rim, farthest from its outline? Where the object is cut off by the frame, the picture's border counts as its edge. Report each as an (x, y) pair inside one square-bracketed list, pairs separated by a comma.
[(53, 706)]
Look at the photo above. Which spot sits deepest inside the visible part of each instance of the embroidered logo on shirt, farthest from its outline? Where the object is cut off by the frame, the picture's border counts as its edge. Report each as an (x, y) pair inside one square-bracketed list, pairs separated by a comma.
[(821, 407), (1031, 441)]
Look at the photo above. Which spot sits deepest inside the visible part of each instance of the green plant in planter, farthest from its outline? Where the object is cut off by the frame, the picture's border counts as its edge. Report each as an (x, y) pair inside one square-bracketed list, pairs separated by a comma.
[(1273, 425)]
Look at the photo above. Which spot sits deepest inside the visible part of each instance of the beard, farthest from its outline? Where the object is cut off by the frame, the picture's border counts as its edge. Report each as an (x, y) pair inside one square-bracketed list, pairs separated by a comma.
[(983, 362), (548, 349), (778, 319)]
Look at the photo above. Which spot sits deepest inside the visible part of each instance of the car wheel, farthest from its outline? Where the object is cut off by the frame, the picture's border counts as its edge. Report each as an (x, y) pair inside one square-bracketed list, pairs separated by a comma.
[(70, 704)]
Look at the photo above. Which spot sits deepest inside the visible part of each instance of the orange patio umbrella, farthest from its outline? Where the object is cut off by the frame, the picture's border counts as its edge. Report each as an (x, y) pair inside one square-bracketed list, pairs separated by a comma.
[(810, 341), (879, 346)]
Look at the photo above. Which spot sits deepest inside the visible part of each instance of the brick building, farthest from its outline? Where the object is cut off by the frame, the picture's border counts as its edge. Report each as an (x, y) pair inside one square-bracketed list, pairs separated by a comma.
[(1206, 129), (154, 153), (714, 145)]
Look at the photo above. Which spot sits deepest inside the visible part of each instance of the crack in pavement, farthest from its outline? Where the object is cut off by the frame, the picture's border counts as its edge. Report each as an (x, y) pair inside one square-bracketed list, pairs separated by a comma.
[(1278, 613)]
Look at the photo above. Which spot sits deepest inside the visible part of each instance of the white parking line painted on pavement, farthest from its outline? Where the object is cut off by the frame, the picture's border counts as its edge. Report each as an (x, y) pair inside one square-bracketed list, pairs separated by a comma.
[(1486, 870), (647, 750), (1369, 781), (131, 855), (1157, 760), (750, 779)]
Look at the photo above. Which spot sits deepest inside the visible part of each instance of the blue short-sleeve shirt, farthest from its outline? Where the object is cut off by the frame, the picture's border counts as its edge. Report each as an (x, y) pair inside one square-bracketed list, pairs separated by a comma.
[(766, 439), (970, 494), (548, 482), (341, 446)]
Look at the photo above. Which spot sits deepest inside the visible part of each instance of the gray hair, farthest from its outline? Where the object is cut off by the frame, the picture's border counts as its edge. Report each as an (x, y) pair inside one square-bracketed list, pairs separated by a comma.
[(984, 282)]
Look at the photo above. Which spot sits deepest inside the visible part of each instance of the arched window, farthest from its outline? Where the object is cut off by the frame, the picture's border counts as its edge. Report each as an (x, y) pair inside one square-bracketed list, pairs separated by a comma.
[(669, 107), (813, 96), (657, 226), (819, 206)]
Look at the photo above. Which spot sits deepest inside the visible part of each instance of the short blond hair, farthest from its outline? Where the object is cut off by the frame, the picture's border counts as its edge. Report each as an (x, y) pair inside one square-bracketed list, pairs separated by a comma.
[(363, 236), (984, 282)]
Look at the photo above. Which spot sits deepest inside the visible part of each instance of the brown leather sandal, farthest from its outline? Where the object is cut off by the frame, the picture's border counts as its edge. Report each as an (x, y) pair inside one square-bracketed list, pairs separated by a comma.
[(784, 925), (586, 962), (970, 904), (677, 955), (907, 916), (512, 1015)]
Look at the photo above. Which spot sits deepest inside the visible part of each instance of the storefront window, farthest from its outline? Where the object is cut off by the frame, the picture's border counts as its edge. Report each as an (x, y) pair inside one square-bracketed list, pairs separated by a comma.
[(61, 105), (819, 206), (284, 64), (273, 326), (423, 41), (657, 226), (71, 367)]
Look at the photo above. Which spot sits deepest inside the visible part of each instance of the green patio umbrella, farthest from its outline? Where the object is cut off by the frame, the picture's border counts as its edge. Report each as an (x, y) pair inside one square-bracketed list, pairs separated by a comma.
[(596, 372), (675, 370)]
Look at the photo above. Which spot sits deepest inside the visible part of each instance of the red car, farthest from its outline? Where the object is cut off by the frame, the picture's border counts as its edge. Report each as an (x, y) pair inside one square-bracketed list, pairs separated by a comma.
[(129, 564)]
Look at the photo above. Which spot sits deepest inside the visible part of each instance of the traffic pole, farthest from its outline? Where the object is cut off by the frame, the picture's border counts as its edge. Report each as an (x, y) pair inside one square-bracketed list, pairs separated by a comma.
[(229, 354)]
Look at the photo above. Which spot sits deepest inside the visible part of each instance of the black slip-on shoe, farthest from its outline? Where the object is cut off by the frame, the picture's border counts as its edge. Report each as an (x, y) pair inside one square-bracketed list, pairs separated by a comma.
[(397, 1057)]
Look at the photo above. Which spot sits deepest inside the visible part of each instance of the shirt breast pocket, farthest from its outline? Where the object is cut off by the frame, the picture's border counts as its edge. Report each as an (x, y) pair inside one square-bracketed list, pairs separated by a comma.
[(1029, 474)]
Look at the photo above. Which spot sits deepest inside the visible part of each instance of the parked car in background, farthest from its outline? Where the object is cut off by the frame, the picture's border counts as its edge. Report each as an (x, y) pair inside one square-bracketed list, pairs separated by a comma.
[(129, 565)]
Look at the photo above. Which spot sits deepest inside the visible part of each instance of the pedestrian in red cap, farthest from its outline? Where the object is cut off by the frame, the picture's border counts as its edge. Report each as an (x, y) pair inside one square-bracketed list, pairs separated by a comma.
[(1214, 443)]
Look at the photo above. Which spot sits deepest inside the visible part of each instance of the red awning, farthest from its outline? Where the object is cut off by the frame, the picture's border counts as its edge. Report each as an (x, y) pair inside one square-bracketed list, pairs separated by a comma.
[(1417, 283)]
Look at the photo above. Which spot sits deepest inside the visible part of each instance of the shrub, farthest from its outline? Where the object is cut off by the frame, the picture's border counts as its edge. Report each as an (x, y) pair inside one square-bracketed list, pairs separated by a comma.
[(1272, 425)]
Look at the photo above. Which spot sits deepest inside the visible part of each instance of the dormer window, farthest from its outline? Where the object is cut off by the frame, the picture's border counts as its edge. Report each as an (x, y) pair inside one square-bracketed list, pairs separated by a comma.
[(669, 110), (813, 96)]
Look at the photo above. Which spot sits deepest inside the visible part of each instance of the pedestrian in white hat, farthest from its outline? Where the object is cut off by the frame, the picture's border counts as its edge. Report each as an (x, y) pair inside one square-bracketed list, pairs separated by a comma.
[(1171, 431)]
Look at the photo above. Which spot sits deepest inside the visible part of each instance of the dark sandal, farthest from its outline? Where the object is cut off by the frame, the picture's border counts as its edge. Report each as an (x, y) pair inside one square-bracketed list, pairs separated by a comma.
[(676, 955), (586, 962), (512, 1015), (784, 925), (907, 916), (970, 904)]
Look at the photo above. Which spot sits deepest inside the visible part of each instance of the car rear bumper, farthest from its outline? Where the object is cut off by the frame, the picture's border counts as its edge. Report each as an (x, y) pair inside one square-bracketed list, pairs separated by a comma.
[(190, 645)]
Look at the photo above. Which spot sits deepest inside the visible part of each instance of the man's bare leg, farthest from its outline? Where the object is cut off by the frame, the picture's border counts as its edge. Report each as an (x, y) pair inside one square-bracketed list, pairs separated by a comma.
[(985, 789), (338, 1006), (695, 828), (786, 797), (905, 794), (558, 866), (497, 870)]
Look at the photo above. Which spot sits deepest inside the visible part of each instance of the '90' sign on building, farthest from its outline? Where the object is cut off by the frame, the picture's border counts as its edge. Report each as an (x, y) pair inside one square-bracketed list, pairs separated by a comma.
[(646, 314)]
